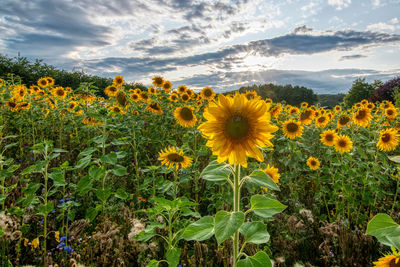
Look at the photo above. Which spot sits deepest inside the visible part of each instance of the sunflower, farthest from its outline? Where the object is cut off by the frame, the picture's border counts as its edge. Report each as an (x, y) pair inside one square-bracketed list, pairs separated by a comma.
[(389, 260), (167, 85), (269, 100), (343, 121), (343, 144), (173, 97), (50, 81), (137, 91), (115, 109), (185, 97), (111, 91), (118, 80), (155, 108), (304, 105), (388, 140), (158, 81), (59, 92), (306, 116), (328, 137), (321, 121), (134, 97), (364, 102), (370, 106), (207, 93), (338, 108), (390, 113), (144, 97), (313, 163), (362, 117), (24, 105), (236, 127), (190, 92), (19, 91), (182, 89), (12, 105), (185, 116), (276, 110), (294, 110), (273, 173), (151, 90), (35, 89), (1, 82), (252, 95), (170, 157), (292, 129), (72, 105)]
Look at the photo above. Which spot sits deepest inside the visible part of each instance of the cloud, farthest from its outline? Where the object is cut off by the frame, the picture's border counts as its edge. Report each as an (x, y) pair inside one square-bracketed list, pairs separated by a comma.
[(339, 4), (349, 57)]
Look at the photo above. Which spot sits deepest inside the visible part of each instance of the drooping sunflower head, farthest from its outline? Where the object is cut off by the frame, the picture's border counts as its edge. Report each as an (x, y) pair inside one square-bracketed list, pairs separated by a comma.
[(306, 116), (24, 105), (111, 90), (118, 80), (292, 129), (313, 163), (35, 89), (182, 89), (343, 144), (388, 140), (207, 93), (12, 105), (362, 117), (154, 108), (185, 97), (173, 97), (390, 113), (328, 137), (343, 121), (158, 81), (167, 86), (236, 127), (122, 99), (171, 158), (185, 116), (273, 173)]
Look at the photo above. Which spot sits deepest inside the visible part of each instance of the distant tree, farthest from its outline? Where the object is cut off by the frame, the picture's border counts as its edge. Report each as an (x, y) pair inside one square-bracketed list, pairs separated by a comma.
[(330, 100), (386, 91), (359, 90)]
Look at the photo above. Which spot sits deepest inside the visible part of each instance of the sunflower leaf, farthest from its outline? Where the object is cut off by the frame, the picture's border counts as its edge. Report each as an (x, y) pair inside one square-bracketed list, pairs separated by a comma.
[(262, 179), (216, 172)]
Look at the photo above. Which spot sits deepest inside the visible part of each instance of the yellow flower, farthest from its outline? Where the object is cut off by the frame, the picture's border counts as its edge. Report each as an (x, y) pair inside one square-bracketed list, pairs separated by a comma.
[(19, 91), (185, 116), (26, 242), (343, 121), (236, 127), (173, 97), (35, 242), (252, 95), (115, 109), (158, 81), (1, 82), (362, 117), (111, 91), (57, 236), (50, 81), (388, 140), (182, 89), (42, 82), (343, 144), (390, 113), (338, 109), (313, 163), (328, 137), (292, 129), (185, 97), (118, 80), (135, 97), (207, 93), (304, 105), (154, 108), (170, 157), (389, 260), (167, 86), (322, 121), (306, 116), (273, 173)]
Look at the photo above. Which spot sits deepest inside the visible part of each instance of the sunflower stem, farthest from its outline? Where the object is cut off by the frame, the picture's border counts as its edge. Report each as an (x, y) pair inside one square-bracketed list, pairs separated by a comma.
[(395, 197), (236, 208)]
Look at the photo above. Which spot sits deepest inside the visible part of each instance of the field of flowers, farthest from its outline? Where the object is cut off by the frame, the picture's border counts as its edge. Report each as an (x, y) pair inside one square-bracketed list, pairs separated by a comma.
[(171, 177)]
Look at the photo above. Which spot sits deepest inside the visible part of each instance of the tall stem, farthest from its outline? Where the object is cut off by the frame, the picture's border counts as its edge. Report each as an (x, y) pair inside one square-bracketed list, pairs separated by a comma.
[(395, 197), (236, 208)]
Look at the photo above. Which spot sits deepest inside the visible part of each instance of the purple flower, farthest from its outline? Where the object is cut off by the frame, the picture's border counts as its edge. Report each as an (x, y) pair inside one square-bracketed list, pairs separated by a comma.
[(68, 249), (63, 238), (61, 245), (42, 221)]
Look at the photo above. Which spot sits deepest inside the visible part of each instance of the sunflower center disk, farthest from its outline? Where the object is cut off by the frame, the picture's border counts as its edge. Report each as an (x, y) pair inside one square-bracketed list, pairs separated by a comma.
[(329, 137), (292, 127), (342, 143), (361, 115), (385, 138), (174, 157), (237, 127), (393, 263), (207, 93), (186, 114)]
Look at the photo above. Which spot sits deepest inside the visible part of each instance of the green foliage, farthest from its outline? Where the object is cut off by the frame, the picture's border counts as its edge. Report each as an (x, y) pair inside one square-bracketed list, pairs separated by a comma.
[(328, 100), (385, 230), (359, 90)]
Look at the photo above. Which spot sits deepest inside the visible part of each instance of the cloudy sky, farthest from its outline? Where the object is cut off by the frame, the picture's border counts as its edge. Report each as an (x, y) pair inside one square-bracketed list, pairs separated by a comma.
[(226, 44)]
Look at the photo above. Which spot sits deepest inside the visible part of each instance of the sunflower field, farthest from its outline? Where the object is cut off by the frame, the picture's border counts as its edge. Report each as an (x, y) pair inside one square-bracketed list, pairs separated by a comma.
[(173, 177)]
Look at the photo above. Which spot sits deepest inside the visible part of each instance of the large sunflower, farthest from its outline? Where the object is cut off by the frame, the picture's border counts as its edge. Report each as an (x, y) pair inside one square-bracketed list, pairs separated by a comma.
[(59, 92), (390, 113), (313, 163), (207, 93), (111, 90), (328, 137), (389, 260), (343, 144), (118, 80), (292, 129), (154, 108), (236, 127), (273, 173), (388, 140), (158, 81), (362, 117), (172, 158), (185, 116)]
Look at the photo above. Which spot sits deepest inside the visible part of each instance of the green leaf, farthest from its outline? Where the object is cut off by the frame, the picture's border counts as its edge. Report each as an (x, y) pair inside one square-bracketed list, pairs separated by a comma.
[(83, 162), (164, 203), (91, 213), (1, 232), (262, 179), (385, 230), (99, 139), (84, 185), (88, 151), (216, 172), (255, 232), (111, 158), (260, 259), (96, 172), (266, 207), (153, 263), (103, 194), (172, 256), (144, 236), (58, 178), (200, 230), (119, 170), (121, 194), (59, 150), (45, 209), (226, 224), (395, 158), (2, 198)]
